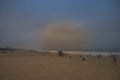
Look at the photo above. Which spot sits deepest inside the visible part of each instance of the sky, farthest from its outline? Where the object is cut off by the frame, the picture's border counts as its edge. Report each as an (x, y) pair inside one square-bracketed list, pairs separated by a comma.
[(60, 24)]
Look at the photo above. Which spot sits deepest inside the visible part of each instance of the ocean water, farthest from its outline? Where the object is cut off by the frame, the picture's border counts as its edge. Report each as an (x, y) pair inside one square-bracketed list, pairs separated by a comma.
[(86, 53)]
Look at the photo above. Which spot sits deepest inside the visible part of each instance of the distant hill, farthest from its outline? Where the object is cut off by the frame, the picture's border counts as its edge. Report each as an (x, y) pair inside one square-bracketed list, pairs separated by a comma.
[(7, 49)]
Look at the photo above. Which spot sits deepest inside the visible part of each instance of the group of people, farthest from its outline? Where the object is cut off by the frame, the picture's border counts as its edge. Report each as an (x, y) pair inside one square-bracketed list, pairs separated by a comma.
[(114, 57)]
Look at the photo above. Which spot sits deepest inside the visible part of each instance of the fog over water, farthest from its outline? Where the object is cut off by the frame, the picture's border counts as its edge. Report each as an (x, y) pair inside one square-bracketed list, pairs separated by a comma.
[(64, 36)]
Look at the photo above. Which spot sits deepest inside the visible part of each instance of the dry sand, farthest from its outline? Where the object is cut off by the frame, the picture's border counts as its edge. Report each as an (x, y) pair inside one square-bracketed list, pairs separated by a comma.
[(32, 66)]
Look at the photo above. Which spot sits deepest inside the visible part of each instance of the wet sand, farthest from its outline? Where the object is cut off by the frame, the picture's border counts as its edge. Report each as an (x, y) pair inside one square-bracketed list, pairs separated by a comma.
[(36, 66)]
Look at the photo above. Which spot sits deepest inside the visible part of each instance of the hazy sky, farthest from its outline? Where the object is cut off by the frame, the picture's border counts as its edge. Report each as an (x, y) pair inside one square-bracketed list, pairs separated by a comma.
[(28, 23)]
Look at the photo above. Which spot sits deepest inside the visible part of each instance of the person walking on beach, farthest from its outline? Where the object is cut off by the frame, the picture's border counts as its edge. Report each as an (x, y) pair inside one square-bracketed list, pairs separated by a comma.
[(83, 59), (61, 53), (99, 56), (114, 59)]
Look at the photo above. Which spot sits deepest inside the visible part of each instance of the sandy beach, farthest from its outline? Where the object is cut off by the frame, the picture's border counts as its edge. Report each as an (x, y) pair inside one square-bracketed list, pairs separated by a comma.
[(37, 66)]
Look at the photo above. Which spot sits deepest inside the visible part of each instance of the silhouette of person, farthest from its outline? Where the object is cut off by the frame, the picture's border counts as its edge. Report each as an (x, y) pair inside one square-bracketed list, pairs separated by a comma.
[(99, 56), (114, 59), (83, 59), (60, 53)]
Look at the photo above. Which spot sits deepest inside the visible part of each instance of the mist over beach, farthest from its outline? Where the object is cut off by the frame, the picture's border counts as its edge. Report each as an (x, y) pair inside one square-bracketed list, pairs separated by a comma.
[(59, 40)]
